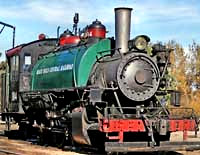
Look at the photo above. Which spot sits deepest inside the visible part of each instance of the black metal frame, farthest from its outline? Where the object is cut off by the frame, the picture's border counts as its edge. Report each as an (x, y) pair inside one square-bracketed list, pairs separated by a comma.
[(11, 26), (155, 110)]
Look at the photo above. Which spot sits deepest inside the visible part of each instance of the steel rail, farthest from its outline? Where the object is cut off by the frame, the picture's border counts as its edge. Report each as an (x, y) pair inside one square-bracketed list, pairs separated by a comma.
[(9, 152)]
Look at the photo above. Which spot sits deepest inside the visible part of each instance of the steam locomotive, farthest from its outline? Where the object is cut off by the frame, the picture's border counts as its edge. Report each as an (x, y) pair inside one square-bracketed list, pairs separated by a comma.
[(87, 89)]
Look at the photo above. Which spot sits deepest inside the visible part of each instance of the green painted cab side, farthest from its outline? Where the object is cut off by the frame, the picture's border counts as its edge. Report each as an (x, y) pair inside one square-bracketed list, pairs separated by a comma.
[(68, 68)]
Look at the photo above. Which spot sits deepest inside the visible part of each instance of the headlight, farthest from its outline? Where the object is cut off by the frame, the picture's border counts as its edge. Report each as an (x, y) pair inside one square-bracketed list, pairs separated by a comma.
[(139, 43)]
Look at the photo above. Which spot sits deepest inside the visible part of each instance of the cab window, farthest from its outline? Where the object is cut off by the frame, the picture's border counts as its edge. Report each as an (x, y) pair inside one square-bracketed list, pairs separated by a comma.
[(27, 62)]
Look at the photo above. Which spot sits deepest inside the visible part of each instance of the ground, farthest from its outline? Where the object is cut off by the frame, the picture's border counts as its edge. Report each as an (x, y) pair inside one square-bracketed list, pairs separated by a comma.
[(26, 148)]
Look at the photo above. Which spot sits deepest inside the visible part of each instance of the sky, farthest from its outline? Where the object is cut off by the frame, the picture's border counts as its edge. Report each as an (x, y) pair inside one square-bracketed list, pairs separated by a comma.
[(161, 20)]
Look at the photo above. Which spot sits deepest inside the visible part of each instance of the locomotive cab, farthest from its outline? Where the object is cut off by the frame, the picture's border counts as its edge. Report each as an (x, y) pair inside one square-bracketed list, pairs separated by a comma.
[(17, 77), (11, 103)]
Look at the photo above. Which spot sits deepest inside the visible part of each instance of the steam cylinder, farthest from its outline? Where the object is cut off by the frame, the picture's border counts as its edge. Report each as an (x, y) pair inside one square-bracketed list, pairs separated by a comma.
[(122, 28)]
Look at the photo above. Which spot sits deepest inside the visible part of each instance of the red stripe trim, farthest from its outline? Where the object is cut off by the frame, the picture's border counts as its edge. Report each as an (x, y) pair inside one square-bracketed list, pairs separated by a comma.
[(13, 51), (182, 125), (135, 125)]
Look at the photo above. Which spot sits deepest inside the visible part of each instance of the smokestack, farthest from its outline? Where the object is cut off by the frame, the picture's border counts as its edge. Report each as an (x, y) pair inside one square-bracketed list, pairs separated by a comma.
[(122, 28)]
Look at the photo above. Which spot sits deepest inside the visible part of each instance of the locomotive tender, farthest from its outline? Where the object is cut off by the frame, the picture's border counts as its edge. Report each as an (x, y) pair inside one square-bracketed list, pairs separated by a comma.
[(91, 86)]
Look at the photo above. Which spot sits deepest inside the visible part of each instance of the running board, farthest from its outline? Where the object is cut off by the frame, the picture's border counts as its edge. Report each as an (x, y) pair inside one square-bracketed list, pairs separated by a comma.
[(144, 146)]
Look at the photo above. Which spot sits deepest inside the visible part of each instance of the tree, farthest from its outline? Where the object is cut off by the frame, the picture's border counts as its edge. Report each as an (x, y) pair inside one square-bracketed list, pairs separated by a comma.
[(185, 72), (3, 65), (194, 63)]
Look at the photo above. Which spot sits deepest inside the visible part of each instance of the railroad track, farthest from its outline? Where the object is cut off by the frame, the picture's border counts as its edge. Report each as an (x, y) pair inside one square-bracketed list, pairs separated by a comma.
[(20, 147), (9, 152)]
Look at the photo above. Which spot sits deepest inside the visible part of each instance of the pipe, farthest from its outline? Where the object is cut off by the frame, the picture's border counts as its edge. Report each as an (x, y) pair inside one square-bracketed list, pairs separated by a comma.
[(8, 25), (13, 37), (122, 28), (11, 26), (58, 32)]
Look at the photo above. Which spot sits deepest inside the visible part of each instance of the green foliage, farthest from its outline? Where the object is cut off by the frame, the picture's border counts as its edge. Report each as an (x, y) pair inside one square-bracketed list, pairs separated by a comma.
[(149, 49), (3, 65), (185, 72), (194, 63)]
